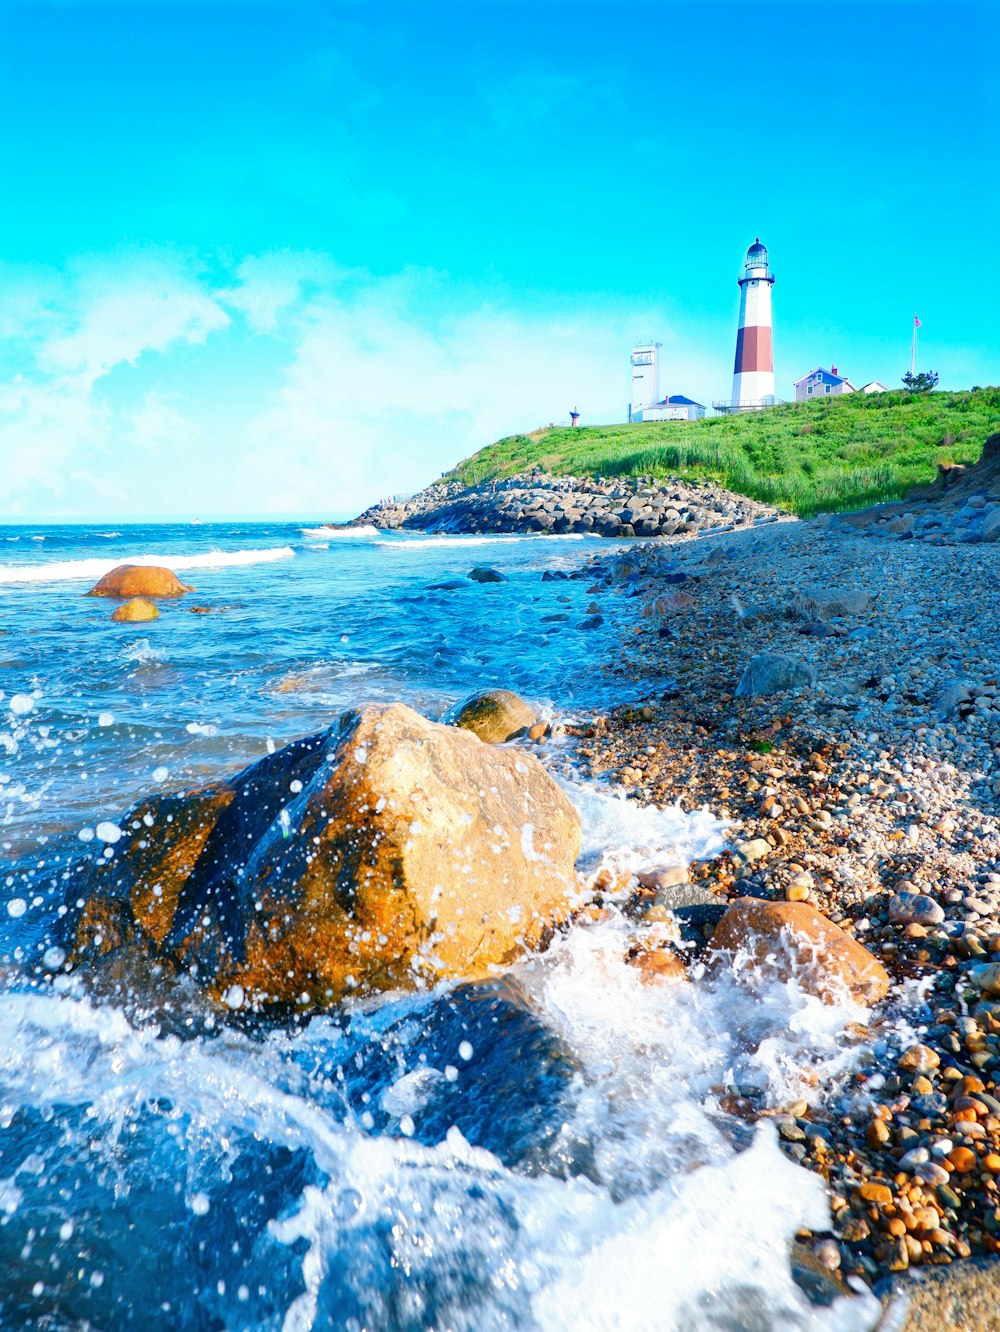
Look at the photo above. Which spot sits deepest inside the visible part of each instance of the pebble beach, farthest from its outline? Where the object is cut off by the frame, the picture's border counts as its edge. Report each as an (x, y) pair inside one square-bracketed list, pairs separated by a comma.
[(829, 689)]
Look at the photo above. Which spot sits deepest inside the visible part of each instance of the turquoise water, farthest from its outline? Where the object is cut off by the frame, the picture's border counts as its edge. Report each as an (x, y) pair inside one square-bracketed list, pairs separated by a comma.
[(546, 1152)]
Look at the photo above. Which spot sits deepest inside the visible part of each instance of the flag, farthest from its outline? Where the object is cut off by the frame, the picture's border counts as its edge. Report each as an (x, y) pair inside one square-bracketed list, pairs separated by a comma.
[(916, 322)]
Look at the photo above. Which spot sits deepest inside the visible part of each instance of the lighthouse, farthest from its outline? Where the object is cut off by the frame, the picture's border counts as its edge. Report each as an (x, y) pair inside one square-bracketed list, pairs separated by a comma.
[(753, 373)]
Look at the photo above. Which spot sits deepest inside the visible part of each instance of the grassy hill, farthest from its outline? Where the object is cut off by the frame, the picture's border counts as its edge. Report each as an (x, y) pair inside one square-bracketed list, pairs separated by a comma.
[(807, 457)]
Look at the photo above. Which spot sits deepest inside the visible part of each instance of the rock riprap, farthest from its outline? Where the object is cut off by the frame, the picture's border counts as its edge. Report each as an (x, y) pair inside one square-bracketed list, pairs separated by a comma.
[(536, 501), (139, 580), (495, 715), (389, 851)]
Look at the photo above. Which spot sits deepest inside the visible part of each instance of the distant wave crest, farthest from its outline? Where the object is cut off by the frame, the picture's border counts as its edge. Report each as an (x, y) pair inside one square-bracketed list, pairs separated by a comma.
[(327, 532), (57, 571), (428, 542)]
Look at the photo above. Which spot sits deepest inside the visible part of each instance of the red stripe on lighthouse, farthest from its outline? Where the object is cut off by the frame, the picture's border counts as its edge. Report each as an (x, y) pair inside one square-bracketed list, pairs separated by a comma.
[(754, 351)]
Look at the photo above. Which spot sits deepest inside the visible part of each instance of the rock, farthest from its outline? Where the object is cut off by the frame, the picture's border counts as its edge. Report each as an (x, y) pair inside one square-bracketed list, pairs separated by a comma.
[(753, 850), (772, 673), (919, 1059), (794, 939), (991, 527), (817, 604), (663, 877), (591, 622), (135, 610), (389, 851), (986, 976), (139, 580), (914, 909), (951, 696), (480, 574), (656, 965), (495, 715)]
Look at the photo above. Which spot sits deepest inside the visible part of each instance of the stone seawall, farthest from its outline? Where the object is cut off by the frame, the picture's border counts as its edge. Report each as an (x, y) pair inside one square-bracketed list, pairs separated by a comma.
[(538, 502)]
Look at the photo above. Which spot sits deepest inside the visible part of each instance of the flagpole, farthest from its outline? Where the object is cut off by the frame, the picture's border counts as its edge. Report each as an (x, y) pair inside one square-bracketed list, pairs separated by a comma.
[(913, 347)]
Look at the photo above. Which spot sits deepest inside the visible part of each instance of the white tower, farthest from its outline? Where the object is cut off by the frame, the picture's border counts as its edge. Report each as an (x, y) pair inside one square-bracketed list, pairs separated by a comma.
[(753, 373), (645, 377)]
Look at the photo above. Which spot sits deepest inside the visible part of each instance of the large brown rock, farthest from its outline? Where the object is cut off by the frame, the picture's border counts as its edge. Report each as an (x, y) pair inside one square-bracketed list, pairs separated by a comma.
[(137, 610), (139, 580), (794, 939), (495, 715), (388, 851)]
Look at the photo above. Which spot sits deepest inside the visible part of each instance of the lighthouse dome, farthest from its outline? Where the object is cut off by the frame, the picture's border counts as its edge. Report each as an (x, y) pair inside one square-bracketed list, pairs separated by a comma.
[(757, 255)]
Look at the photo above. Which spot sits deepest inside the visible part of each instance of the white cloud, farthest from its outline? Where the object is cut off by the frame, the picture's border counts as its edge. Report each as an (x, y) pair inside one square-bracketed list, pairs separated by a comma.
[(290, 385), (126, 313)]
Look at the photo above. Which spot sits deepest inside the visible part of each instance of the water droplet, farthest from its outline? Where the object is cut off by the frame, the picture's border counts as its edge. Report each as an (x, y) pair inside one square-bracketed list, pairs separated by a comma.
[(465, 1050), (17, 906), (106, 719), (109, 832), (200, 1204)]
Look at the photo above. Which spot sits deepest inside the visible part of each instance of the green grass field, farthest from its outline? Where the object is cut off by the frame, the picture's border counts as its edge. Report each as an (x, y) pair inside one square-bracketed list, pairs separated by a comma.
[(809, 457)]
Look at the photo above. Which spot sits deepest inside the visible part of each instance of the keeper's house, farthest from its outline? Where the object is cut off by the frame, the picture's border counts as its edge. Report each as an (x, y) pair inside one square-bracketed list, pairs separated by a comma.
[(675, 408), (820, 383)]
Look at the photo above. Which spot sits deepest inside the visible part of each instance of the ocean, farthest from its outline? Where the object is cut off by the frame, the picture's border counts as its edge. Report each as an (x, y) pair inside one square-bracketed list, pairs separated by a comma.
[(545, 1153)]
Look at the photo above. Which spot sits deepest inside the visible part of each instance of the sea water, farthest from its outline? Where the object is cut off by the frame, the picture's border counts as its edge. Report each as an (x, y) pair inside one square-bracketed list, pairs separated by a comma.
[(548, 1152)]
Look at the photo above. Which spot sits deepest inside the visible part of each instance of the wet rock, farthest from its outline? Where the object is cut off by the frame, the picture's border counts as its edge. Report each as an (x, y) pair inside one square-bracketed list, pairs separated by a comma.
[(480, 574), (139, 580), (794, 939), (135, 611), (388, 851), (495, 715), (657, 966), (772, 673), (480, 1059)]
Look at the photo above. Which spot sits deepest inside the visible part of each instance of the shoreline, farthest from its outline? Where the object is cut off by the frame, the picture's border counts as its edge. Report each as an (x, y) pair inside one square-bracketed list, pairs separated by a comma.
[(870, 792), (874, 796)]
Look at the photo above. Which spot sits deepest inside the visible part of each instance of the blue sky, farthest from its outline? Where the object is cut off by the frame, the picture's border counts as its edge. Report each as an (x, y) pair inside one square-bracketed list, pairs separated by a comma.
[(283, 258)]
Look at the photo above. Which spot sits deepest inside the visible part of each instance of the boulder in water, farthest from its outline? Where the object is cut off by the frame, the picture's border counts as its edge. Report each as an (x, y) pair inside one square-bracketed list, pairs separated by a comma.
[(139, 580), (134, 611), (483, 575), (793, 939), (388, 851), (495, 715)]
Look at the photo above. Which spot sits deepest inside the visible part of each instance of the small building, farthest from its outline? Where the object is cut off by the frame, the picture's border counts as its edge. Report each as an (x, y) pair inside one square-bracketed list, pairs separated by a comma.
[(820, 383), (875, 386), (675, 408)]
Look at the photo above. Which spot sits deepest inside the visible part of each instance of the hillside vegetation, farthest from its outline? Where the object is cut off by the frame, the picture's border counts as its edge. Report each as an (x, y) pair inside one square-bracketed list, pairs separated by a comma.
[(810, 457)]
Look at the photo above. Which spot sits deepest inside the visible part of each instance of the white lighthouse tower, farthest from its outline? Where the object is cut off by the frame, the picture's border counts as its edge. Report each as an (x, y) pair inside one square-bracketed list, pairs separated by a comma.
[(753, 372), (645, 377)]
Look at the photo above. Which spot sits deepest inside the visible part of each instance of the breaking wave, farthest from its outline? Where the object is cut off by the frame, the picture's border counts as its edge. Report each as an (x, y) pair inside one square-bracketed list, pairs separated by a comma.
[(59, 571), (328, 531)]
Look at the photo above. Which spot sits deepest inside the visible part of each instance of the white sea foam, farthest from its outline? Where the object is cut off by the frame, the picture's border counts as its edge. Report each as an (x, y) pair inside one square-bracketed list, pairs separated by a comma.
[(62, 570), (142, 651), (676, 1225), (334, 532), (417, 543)]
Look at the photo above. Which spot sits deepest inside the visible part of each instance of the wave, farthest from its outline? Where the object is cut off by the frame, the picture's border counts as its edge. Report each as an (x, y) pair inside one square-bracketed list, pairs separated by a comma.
[(327, 531), (426, 543), (63, 570)]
